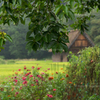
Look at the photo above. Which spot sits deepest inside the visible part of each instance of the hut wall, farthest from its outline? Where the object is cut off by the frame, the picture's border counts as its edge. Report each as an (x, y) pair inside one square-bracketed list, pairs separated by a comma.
[(64, 57), (56, 57)]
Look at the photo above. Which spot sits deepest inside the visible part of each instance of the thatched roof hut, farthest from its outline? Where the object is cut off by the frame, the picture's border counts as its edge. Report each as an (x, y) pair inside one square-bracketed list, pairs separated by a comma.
[(77, 41)]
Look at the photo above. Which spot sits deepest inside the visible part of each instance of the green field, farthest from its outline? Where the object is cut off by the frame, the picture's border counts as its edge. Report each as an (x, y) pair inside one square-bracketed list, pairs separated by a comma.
[(7, 70)]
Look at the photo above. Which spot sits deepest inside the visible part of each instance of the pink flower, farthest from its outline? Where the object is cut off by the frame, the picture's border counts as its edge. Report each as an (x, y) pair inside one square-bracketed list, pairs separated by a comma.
[(31, 76), (38, 68), (16, 80), (23, 78), (42, 73), (19, 69), (17, 93), (39, 76), (50, 96), (54, 89), (33, 67), (48, 68), (36, 80), (25, 82)]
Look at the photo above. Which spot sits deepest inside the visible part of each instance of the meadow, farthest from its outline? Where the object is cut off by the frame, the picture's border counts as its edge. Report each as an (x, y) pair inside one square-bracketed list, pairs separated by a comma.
[(12, 66)]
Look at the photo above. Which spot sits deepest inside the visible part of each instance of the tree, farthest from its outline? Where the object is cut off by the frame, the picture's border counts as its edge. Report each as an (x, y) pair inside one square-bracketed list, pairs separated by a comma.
[(17, 48), (46, 30), (94, 28)]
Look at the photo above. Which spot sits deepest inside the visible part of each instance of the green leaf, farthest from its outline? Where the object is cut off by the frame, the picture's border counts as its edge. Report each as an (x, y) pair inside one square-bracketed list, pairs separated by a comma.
[(8, 38), (65, 47), (72, 3), (60, 25), (53, 15), (59, 48), (79, 1), (16, 20), (38, 37), (22, 20), (11, 1), (49, 37), (28, 34), (8, 9), (29, 38), (19, 1), (66, 9), (58, 10), (31, 26), (71, 15), (45, 38), (1, 42), (52, 1), (35, 46)]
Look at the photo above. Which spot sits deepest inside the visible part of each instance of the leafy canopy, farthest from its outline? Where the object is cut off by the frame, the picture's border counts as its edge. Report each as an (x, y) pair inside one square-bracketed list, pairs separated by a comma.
[(46, 30)]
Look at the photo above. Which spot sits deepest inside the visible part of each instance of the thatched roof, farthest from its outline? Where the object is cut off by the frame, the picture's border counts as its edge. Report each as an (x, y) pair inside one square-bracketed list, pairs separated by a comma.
[(73, 35)]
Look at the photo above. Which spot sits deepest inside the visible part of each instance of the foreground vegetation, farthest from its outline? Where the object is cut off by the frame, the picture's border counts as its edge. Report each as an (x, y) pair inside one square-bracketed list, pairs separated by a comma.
[(79, 81)]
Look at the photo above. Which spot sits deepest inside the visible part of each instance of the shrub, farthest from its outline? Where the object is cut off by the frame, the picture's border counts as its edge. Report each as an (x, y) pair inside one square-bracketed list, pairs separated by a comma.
[(84, 72)]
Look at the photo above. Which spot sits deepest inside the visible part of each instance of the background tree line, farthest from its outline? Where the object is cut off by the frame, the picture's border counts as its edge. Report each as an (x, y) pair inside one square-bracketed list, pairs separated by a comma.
[(17, 49)]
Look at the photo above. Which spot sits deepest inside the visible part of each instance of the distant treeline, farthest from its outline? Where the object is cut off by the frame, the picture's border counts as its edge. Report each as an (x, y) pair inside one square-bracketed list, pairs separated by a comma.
[(17, 49)]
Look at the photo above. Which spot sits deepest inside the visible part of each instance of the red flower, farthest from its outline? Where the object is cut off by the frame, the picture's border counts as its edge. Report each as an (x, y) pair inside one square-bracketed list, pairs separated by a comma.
[(17, 93), (50, 96), (25, 82), (27, 74), (38, 68), (67, 75), (54, 89), (23, 78), (28, 69), (50, 78), (31, 75), (39, 76), (56, 72), (24, 67), (16, 80), (19, 69)]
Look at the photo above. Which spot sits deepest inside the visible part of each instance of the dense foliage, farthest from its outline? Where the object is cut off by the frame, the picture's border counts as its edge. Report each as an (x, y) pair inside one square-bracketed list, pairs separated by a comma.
[(17, 49), (45, 28)]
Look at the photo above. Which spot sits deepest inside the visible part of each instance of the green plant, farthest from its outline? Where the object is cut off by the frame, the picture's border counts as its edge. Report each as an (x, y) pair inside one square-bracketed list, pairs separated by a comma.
[(84, 72)]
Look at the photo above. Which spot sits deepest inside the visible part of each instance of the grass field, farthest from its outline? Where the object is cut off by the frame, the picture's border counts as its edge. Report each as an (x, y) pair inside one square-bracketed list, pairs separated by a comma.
[(7, 70)]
